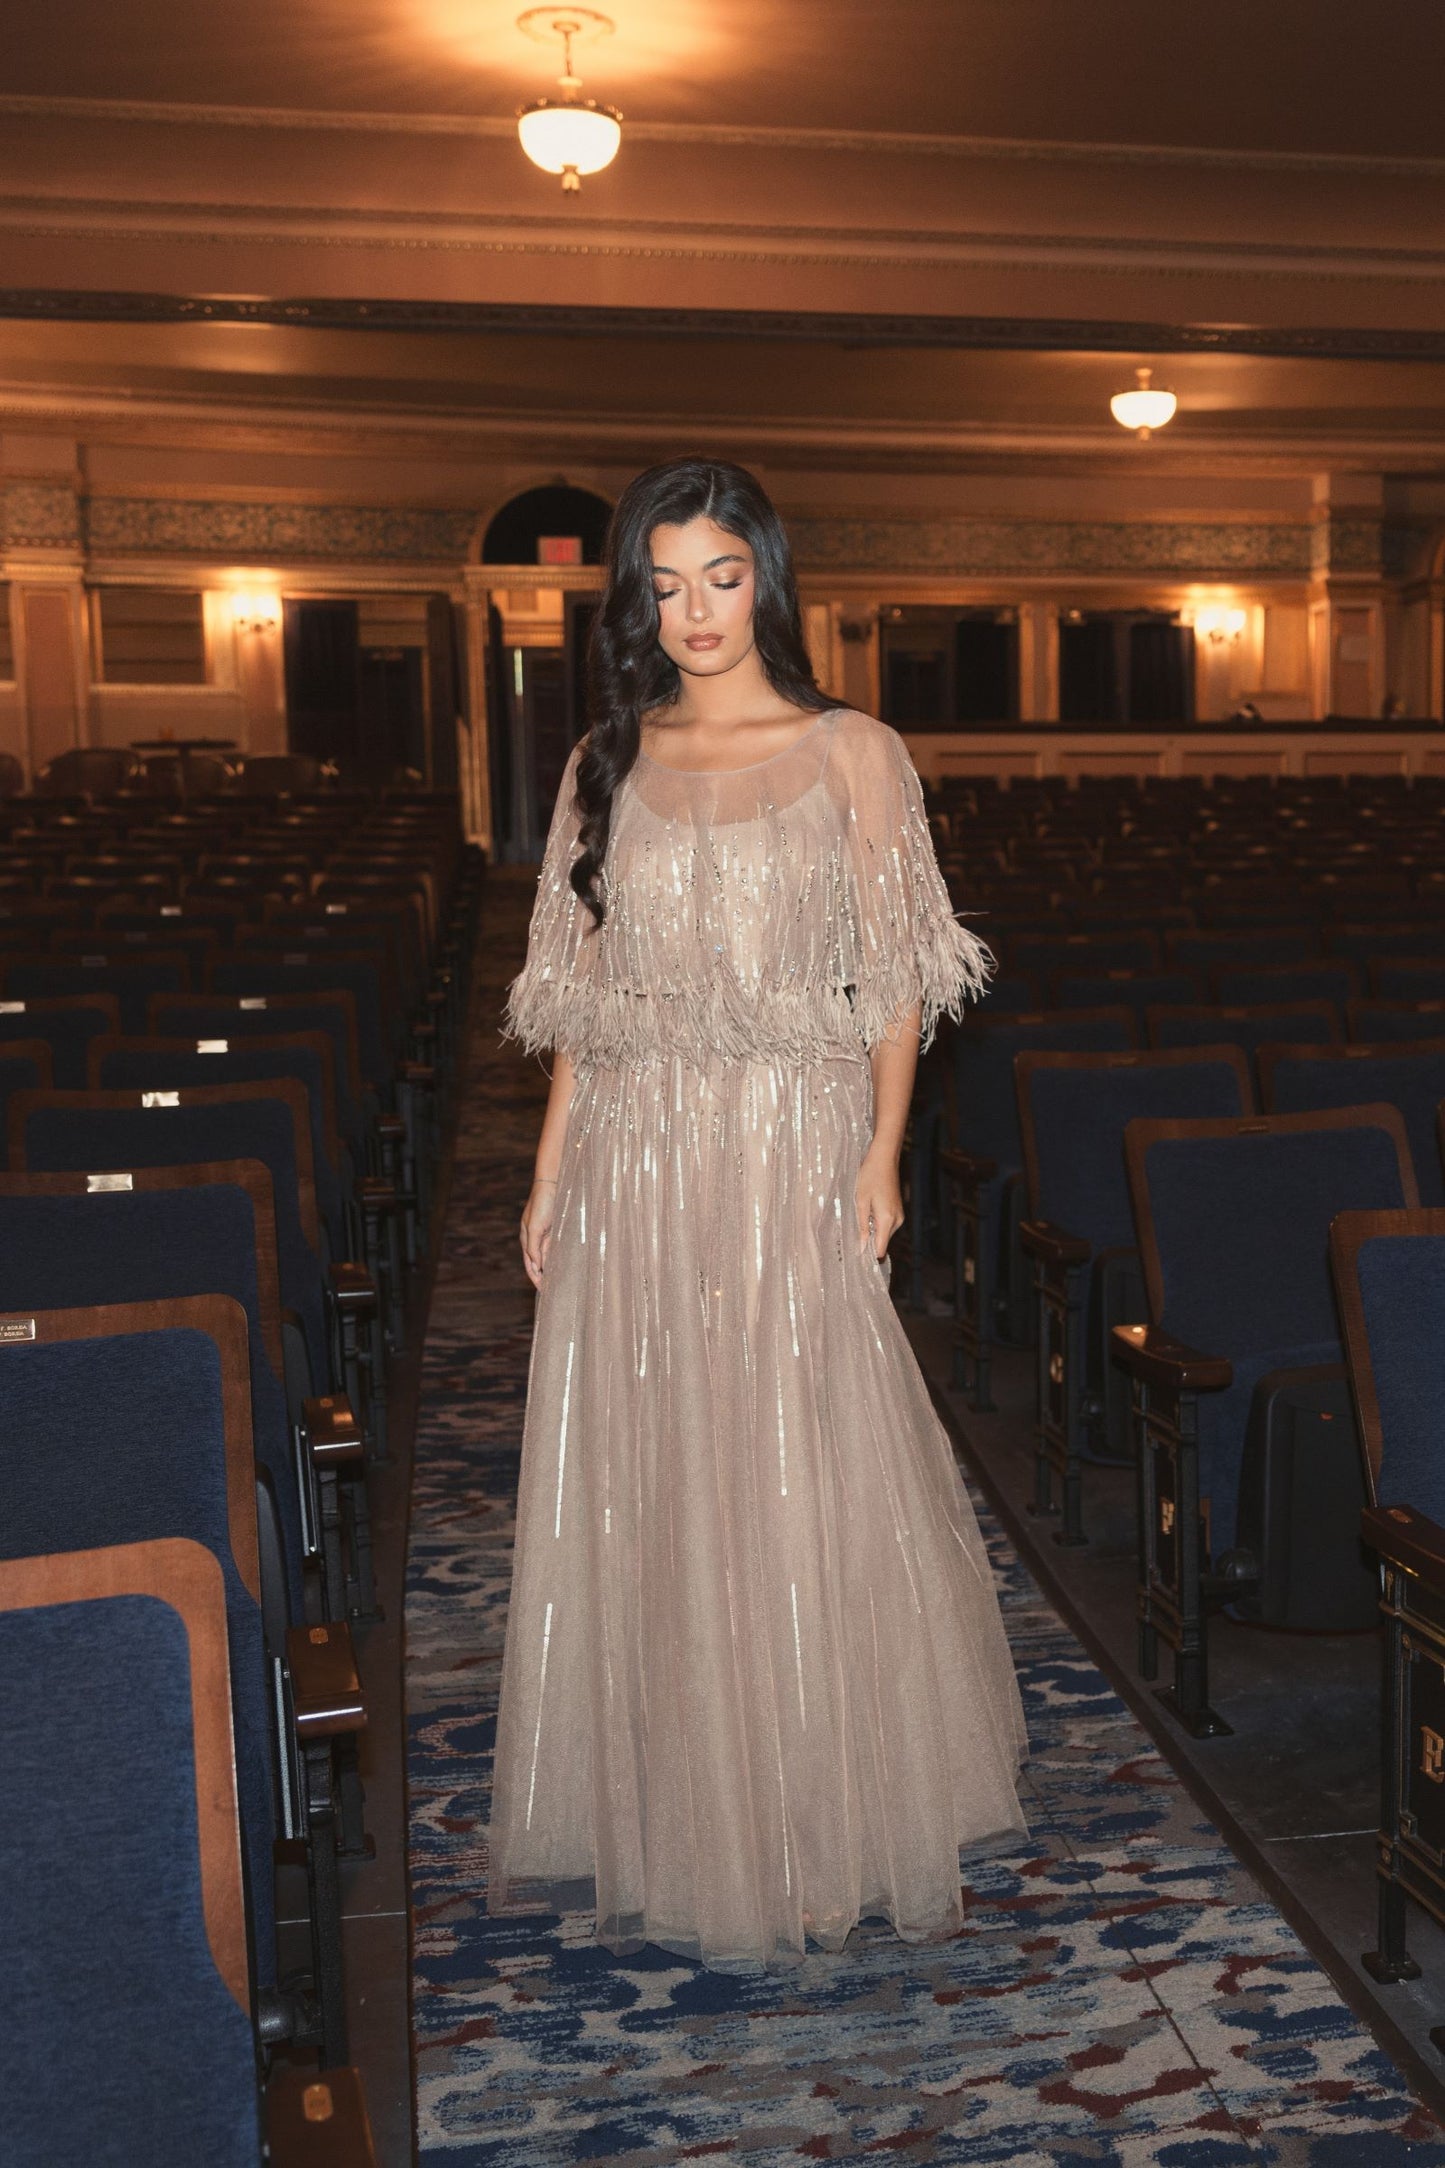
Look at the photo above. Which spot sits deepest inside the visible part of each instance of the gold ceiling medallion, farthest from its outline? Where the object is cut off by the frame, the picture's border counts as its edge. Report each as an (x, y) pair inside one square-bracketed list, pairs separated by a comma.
[(1144, 409), (572, 135)]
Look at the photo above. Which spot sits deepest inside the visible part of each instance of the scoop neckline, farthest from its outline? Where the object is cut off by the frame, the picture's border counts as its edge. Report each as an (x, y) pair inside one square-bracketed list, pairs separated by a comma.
[(750, 767)]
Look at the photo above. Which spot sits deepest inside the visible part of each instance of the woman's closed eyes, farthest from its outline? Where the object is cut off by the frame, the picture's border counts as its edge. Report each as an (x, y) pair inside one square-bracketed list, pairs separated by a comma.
[(665, 594)]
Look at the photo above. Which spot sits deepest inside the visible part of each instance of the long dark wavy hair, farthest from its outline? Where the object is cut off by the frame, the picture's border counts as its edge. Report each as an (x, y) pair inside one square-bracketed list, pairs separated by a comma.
[(628, 673)]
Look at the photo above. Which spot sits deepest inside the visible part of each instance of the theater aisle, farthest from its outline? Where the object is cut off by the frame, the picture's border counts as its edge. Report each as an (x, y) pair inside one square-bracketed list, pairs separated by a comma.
[(1124, 1993)]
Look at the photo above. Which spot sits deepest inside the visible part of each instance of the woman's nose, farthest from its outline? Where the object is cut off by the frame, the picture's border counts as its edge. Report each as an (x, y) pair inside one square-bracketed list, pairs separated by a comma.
[(697, 608)]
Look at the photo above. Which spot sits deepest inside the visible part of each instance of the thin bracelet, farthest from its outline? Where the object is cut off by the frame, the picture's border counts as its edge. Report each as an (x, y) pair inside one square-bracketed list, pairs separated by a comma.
[(544, 1181)]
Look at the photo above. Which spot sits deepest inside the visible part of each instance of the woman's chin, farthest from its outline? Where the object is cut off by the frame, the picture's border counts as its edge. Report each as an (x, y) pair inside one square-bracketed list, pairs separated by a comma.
[(714, 662)]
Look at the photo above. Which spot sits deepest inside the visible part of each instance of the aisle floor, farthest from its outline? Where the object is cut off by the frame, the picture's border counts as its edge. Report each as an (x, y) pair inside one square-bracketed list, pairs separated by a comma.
[(1123, 1993)]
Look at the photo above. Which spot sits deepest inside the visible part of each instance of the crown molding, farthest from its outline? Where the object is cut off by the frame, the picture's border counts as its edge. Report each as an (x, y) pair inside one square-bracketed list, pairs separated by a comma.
[(218, 224), (1017, 334), (854, 141), (321, 426)]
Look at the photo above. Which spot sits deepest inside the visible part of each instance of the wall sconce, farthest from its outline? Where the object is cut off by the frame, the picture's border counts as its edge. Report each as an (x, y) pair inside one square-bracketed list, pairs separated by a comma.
[(1220, 625), (256, 613)]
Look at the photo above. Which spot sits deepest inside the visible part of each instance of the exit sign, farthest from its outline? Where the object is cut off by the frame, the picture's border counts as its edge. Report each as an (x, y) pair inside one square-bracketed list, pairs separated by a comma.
[(559, 549)]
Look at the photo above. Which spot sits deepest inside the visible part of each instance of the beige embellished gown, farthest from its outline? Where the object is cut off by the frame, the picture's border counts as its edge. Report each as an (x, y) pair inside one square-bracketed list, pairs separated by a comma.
[(756, 1684)]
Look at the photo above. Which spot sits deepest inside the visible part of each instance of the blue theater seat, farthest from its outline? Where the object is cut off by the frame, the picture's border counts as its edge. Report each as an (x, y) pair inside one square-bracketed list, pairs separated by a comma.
[(321, 972), (1137, 991), (1410, 1077), (983, 1168), (1372, 1023), (1284, 1023), (1205, 951), (126, 2032), (25, 1066), (124, 1929), (1242, 1425), (1264, 985), (35, 978), (196, 1230), (1074, 1109), (233, 1017), (1408, 978), (157, 1064), (1042, 955), (67, 1023), (1389, 1270), (82, 1132), (113, 1429)]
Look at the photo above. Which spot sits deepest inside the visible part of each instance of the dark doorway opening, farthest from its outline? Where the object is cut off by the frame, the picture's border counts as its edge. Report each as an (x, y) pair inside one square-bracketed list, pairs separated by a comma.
[(323, 678), (943, 668), (556, 511), (391, 726), (1125, 666)]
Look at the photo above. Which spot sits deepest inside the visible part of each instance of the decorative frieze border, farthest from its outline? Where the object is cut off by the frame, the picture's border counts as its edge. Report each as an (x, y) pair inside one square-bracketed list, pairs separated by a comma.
[(171, 527), (1176, 549), (39, 515)]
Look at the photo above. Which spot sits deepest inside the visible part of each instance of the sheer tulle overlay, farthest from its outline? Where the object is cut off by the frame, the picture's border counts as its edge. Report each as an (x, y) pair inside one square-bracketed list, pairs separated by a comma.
[(756, 1684)]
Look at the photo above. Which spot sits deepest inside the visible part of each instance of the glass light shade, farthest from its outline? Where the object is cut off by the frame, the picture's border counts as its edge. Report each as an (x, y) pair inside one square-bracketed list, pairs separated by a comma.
[(1219, 623), (581, 138), (255, 612), (1145, 408)]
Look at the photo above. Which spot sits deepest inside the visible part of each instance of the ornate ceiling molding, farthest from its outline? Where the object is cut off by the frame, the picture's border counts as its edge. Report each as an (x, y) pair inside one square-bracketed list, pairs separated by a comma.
[(865, 142), (706, 241), (1018, 334)]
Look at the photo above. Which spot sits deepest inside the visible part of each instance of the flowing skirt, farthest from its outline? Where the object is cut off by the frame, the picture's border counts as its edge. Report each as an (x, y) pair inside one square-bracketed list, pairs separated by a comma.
[(756, 1684)]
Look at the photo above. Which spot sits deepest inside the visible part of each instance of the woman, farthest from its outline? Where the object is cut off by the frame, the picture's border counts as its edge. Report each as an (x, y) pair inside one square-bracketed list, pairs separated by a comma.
[(756, 1685)]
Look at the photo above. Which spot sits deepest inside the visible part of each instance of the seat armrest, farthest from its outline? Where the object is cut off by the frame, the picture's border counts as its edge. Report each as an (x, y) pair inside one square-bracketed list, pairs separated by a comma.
[(325, 1684), (965, 1167), (375, 1190), (420, 1073), (1406, 1538), (390, 1128), (353, 1289), (332, 1431), (1050, 1244), (317, 2119), (1156, 1358)]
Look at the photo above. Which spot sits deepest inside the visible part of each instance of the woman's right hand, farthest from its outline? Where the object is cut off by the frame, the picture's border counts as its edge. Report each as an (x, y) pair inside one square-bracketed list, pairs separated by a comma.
[(537, 1228)]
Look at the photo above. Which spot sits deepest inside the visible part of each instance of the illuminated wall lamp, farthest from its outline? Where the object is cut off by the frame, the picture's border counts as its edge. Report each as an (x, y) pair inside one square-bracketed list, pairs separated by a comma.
[(1220, 625), (571, 135), (256, 613), (1144, 409)]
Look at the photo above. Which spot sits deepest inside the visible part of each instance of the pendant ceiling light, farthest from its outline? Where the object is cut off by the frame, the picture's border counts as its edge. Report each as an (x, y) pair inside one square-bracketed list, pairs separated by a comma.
[(1144, 409), (570, 135)]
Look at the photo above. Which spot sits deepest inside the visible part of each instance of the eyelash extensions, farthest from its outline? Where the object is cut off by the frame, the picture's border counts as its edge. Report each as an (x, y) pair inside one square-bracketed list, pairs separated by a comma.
[(726, 585)]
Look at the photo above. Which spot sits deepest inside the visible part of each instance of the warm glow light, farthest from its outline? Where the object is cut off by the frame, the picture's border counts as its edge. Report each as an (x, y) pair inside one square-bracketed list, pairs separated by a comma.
[(570, 135), (255, 612), (1145, 408), (1220, 623), (569, 139)]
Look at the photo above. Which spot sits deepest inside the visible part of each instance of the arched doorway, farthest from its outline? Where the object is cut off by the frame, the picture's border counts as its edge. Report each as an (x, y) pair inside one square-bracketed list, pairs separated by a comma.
[(554, 513)]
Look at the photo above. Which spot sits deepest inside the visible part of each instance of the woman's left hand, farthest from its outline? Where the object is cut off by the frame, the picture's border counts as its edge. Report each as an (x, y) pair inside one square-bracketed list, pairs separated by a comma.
[(879, 1200)]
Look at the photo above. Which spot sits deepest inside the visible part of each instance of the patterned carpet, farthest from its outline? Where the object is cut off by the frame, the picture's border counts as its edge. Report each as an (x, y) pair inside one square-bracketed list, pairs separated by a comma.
[(1124, 1993)]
